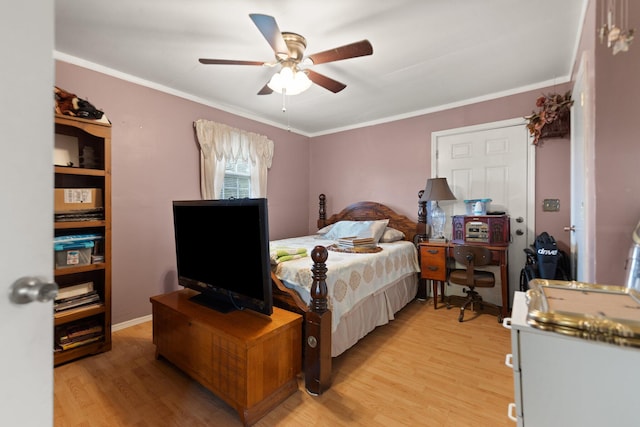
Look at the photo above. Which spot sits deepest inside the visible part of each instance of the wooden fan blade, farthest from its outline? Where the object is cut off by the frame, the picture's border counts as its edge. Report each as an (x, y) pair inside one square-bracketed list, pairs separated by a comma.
[(229, 62), (353, 50), (269, 29), (326, 82), (266, 90)]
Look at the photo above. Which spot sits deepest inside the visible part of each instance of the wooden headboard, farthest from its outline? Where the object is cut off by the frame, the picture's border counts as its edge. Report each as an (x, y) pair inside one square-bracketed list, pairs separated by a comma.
[(368, 211)]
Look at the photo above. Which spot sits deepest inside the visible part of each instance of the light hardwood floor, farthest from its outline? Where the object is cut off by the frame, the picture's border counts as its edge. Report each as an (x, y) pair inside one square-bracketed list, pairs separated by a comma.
[(422, 369)]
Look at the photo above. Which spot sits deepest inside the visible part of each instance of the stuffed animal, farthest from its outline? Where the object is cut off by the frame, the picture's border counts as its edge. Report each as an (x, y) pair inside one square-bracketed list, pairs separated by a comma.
[(69, 104)]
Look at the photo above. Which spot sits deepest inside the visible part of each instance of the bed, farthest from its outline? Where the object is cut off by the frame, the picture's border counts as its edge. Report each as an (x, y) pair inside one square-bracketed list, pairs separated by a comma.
[(346, 293)]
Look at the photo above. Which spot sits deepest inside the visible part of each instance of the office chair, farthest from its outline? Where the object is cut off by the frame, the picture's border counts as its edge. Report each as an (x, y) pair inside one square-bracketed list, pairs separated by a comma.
[(472, 257)]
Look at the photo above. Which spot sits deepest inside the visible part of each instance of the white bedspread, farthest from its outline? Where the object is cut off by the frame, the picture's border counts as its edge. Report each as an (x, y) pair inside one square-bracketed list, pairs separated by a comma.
[(350, 277)]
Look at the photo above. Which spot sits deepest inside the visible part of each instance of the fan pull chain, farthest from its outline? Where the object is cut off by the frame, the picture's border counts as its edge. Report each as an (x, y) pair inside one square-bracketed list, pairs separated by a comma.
[(284, 107), (284, 99)]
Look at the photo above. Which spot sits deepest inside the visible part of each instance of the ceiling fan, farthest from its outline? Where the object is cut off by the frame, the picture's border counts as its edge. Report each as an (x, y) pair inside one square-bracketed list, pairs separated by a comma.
[(289, 54)]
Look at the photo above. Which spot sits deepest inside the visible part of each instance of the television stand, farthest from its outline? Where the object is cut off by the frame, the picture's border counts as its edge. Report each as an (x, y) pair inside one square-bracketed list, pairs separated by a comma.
[(248, 359)]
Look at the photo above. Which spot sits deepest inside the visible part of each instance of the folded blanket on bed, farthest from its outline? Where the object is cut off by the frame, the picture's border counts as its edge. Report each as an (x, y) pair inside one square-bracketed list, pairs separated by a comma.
[(287, 258), (282, 251), (279, 255)]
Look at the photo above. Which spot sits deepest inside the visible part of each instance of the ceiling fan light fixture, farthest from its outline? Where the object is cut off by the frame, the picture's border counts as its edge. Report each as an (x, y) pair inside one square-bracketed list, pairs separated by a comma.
[(289, 81)]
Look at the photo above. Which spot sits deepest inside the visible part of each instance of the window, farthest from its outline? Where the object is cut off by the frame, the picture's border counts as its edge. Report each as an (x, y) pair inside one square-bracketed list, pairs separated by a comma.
[(237, 180), (220, 144)]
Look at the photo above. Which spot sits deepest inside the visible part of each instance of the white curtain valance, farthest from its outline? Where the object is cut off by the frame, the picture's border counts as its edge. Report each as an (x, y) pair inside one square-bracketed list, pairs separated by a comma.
[(220, 143)]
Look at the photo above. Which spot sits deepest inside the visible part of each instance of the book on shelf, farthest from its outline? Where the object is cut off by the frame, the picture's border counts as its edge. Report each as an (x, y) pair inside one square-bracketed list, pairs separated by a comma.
[(81, 331), (74, 344), (96, 214), (74, 290), (78, 333), (69, 311), (354, 241), (80, 300)]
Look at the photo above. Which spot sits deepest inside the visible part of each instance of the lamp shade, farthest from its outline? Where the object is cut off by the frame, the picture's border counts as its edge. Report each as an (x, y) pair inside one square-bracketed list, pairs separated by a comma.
[(437, 189), (290, 81)]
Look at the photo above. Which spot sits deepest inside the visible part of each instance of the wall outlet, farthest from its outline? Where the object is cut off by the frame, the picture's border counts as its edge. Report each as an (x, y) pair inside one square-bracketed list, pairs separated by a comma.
[(551, 205)]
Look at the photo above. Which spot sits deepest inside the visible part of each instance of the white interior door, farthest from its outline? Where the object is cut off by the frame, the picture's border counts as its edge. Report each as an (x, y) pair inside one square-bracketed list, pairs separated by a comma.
[(582, 256), (494, 161), (26, 209)]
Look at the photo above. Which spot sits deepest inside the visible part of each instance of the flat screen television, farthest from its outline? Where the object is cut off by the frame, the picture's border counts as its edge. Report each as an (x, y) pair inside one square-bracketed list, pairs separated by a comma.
[(222, 251)]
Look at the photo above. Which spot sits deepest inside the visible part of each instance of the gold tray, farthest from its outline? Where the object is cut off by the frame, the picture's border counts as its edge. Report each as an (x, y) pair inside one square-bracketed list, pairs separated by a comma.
[(595, 312)]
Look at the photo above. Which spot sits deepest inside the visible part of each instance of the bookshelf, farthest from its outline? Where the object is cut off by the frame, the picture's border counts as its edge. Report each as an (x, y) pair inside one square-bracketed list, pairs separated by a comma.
[(82, 211)]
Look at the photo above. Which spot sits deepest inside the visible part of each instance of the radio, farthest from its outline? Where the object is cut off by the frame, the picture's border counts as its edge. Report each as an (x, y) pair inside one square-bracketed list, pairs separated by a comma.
[(487, 229)]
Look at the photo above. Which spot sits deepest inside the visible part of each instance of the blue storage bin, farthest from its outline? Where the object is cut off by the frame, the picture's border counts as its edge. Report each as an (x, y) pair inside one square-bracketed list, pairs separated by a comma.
[(73, 254)]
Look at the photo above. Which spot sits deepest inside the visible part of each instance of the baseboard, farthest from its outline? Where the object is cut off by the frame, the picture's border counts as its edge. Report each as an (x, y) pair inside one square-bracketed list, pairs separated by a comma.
[(131, 322)]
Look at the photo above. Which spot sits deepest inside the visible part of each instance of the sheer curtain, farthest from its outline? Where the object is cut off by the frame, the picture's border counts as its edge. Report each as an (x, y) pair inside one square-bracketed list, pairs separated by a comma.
[(219, 143)]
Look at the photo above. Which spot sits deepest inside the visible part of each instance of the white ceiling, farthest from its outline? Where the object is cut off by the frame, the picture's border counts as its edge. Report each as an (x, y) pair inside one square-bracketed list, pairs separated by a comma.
[(427, 54)]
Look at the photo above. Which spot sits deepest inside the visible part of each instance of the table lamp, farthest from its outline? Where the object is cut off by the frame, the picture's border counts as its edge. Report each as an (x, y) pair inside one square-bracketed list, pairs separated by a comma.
[(435, 190)]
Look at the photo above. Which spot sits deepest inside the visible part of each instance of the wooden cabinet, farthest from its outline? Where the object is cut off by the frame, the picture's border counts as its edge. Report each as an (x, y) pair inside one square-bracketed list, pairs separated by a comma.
[(249, 360), (561, 380), (87, 143), (433, 266)]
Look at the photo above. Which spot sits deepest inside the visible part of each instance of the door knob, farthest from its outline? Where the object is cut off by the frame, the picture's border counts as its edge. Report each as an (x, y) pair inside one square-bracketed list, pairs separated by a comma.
[(570, 228), (29, 289), (519, 232), (520, 219)]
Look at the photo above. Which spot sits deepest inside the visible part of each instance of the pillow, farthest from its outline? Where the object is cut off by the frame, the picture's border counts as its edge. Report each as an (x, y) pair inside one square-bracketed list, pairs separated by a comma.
[(391, 235), (373, 229), (325, 229)]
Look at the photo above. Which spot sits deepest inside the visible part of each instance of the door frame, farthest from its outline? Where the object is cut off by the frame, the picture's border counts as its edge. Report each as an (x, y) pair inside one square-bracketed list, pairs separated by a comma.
[(530, 230), (582, 227)]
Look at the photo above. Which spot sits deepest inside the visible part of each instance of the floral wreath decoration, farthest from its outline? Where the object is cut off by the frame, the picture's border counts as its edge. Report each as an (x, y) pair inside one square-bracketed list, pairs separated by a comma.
[(551, 108)]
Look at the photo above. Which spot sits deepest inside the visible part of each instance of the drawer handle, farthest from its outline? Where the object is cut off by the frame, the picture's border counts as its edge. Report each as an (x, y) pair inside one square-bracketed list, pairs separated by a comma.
[(432, 268), (506, 322), (512, 410), (509, 360), (433, 251)]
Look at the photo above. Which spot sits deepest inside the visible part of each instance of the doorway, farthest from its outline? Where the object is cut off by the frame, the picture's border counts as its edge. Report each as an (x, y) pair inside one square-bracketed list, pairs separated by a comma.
[(495, 161)]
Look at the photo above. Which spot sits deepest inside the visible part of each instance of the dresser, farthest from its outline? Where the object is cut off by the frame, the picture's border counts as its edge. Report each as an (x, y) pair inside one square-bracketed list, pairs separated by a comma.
[(567, 381), (251, 361)]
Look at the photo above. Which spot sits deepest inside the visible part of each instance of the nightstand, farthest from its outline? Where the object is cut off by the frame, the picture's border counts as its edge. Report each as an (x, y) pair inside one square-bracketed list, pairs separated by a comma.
[(433, 266)]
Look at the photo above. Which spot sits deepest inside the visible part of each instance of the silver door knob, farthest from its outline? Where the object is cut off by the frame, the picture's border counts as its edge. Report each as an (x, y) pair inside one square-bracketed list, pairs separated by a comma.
[(29, 289), (570, 228)]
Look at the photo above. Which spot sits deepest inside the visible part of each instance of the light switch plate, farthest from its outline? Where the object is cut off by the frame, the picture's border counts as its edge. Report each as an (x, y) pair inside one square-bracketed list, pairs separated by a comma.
[(551, 205)]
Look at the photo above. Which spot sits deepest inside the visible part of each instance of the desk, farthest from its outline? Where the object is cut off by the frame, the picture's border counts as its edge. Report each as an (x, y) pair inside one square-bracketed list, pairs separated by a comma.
[(434, 258)]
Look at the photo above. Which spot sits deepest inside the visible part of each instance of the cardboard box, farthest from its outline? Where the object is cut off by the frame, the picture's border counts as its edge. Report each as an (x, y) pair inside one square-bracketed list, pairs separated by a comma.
[(75, 199)]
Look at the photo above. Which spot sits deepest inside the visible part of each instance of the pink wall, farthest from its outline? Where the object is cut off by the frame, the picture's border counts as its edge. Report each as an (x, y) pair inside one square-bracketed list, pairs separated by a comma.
[(155, 160), (391, 162), (617, 153)]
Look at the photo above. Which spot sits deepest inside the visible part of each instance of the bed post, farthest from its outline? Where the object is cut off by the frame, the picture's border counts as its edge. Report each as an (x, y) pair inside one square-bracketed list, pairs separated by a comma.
[(317, 369), (322, 211)]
